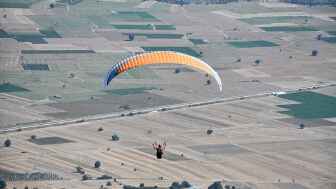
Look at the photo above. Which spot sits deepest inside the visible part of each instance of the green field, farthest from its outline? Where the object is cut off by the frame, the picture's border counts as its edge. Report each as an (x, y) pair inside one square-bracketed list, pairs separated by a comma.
[(288, 29), (329, 39), (55, 51), (164, 27), (159, 35), (197, 41), (4, 34), (36, 38), (133, 26), (251, 44), (128, 91), (311, 105), (36, 67), (275, 19), (185, 50), (143, 27), (7, 87), (49, 33), (331, 32), (133, 16), (24, 4)]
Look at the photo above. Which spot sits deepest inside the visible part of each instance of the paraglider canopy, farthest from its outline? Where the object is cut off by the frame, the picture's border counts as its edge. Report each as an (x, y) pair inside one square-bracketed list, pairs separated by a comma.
[(161, 57)]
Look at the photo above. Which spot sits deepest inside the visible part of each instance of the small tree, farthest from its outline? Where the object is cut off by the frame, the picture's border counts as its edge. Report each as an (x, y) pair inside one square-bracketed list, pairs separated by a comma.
[(104, 177), (177, 70), (85, 177), (125, 107), (131, 36), (109, 183), (97, 164), (26, 187), (80, 170), (185, 184), (71, 75), (33, 137), (257, 62), (175, 185), (302, 126), (7, 143), (319, 37), (2, 184), (208, 82), (209, 131), (115, 137), (314, 53), (100, 129)]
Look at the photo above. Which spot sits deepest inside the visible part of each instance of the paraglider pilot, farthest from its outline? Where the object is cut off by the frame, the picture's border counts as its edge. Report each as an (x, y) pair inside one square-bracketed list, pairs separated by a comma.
[(159, 149)]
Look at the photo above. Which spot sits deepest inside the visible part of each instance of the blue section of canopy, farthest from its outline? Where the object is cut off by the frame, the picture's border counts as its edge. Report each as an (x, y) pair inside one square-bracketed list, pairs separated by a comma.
[(112, 73)]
